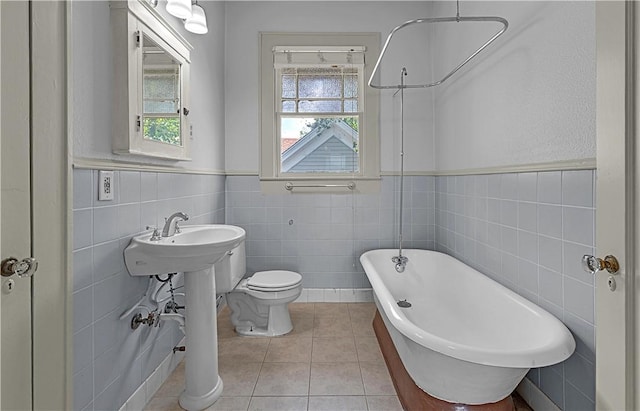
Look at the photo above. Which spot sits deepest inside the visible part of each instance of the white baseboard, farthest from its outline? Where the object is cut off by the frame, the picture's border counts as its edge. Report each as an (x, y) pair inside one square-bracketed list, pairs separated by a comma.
[(335, 295), (141, 397), (536, 399)]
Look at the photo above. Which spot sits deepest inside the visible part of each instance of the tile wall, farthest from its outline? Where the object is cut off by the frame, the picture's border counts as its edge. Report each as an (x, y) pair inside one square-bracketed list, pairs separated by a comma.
[(529, 231), (110, 360), (526, 230), (322, 236)]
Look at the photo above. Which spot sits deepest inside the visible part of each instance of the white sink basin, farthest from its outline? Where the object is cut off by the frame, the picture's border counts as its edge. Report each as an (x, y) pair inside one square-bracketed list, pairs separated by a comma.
[(196, 248)]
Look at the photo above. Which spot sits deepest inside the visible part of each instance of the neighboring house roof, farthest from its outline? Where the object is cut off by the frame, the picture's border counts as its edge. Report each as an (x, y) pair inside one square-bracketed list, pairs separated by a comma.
[(318, 149), (285, 143)]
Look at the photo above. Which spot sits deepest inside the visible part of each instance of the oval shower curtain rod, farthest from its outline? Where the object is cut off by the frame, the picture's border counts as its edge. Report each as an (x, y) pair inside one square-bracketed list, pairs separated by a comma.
[(455, 19)]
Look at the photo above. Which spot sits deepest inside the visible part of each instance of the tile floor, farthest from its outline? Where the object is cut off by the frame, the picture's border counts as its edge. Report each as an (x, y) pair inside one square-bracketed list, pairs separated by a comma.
[(330, 361)]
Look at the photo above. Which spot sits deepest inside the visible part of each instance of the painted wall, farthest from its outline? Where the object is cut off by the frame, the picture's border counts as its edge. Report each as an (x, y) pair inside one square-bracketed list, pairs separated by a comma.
[(110, 360), (92, 86), (244, 22), (530, 98)]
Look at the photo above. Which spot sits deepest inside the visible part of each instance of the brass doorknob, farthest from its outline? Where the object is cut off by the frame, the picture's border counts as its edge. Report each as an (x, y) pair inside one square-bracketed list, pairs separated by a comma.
[(23, 268), (593, 264)]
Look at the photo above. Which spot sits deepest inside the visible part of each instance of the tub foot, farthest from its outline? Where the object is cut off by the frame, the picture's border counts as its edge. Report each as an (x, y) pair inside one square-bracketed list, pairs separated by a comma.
[(410, 395)]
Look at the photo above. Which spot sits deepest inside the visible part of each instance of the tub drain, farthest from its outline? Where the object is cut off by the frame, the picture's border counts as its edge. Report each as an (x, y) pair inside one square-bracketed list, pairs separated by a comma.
[(404, 304)]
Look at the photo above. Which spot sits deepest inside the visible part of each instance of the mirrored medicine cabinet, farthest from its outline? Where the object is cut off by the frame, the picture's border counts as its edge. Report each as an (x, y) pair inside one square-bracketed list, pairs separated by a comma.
[(151, 83)]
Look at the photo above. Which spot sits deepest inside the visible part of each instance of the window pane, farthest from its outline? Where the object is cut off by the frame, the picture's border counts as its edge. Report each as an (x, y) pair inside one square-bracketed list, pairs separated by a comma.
[(350, 86), (319, 145), (158, 85), (351, 106), (289, 106), (320, 86), (288, 86), (160, 93), (163, 129), (323, 106)]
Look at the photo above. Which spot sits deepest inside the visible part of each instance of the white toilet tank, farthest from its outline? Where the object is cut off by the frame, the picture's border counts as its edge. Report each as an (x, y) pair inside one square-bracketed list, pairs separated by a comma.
[(230, 270)]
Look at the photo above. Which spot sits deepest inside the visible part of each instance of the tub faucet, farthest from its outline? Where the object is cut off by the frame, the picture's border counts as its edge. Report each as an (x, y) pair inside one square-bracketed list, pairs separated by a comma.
[(400, 262), (170, 228)]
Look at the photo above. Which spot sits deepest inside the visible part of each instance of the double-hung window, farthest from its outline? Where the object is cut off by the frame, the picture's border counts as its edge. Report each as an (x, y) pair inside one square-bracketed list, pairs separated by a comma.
[(319, 120)]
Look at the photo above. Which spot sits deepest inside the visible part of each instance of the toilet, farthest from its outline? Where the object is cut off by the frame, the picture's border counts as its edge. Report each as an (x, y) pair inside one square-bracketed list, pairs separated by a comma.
[(259, 304)]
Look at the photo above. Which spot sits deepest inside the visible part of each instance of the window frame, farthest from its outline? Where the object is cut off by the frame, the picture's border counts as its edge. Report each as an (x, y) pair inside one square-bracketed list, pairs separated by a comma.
[(367, 179)]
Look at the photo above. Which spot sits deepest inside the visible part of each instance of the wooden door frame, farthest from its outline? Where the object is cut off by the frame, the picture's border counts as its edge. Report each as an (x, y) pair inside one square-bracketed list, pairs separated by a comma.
[(16, 124), (51, 210), (615, 204)]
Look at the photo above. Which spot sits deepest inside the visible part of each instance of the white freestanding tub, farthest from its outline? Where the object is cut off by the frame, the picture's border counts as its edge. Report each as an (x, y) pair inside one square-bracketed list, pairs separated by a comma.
[(466, 338)]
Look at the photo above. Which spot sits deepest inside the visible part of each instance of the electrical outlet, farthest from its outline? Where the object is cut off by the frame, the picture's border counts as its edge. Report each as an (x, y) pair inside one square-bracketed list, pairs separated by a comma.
[(105, 185)]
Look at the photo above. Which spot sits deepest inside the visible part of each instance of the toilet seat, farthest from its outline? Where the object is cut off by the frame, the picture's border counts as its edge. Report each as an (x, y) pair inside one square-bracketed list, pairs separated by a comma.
[(274, 280)]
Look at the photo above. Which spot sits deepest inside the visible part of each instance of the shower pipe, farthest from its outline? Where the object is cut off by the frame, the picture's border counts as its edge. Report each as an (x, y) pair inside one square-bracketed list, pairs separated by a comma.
[(400, 261), (456, 19)]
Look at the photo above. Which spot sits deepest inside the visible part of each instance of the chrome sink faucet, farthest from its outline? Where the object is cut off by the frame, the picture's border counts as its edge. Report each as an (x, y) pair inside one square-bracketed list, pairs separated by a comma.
[(170, 228)]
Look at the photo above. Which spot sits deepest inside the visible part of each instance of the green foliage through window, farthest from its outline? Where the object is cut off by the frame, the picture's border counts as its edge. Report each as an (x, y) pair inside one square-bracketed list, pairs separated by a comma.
[(163, 129)]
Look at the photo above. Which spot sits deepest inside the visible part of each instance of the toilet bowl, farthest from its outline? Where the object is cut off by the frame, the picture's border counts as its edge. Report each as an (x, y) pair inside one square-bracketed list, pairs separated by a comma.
[(259, 303)]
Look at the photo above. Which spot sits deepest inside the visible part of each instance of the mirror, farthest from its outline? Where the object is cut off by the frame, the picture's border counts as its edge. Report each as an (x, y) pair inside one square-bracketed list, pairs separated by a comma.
[(160, 94), (151, 77)]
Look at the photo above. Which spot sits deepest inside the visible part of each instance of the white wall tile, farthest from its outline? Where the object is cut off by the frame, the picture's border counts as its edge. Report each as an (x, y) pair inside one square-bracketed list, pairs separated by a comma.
[(105, 224), (584, 335), (509, 241), (83, 348), (82, 228), (578, 225), (576, 400), (148, 186), (82, 189), (577, 188), (83, 388), (528, 246), (551, 285), (528, 186), (83, 316), (581, 374), (82, 268), (550, 220), (129, 187), (509, 213), (509, 186), (546, 267), (528, 216), (550, 187), (579, 299), (550, 253)]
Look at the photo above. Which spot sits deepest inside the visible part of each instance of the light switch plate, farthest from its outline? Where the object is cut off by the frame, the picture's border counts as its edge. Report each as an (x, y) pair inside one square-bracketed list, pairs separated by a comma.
[(105, 185)]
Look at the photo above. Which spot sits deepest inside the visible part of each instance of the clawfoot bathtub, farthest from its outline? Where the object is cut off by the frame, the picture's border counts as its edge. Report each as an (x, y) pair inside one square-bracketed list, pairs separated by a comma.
[(462, 337)]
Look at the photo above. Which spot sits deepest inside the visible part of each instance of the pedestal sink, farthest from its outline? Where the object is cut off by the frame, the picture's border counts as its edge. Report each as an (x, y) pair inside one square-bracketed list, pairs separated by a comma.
[(193, 251)]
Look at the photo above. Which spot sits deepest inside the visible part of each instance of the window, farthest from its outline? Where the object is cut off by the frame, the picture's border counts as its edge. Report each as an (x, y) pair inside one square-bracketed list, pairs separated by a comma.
[(319, 121)]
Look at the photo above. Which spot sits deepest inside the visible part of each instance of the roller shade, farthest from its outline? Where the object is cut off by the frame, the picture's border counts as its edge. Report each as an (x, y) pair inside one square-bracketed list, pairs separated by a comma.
[(314, 56)]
